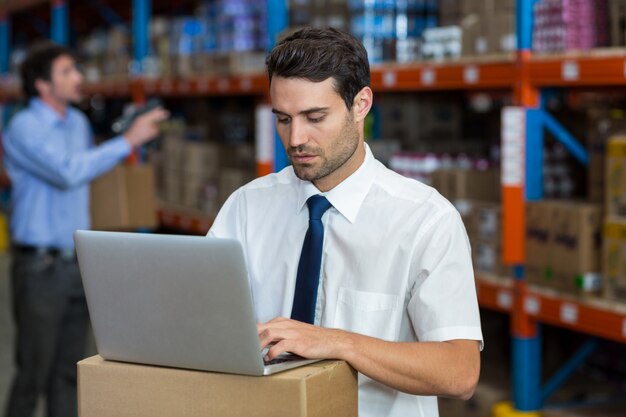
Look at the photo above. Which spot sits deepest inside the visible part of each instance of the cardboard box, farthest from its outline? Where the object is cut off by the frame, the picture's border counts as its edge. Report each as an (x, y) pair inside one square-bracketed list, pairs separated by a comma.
[(486, 221), (107, 389), (616, 177), (501, 36), (614, 258), (487, 257), (603, 123), (617, 15), (201, 161), (576, 249), (563, 245), (539, 242), (230, 180), (124, 199), (460, 184)]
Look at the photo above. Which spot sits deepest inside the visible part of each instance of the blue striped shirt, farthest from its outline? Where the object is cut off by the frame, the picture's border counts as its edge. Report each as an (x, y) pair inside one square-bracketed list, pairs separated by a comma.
[(51, 160)]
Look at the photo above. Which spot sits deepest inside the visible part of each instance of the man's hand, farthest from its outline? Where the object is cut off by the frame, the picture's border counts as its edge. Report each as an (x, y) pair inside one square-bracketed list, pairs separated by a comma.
[(145, 127), (306, 340)]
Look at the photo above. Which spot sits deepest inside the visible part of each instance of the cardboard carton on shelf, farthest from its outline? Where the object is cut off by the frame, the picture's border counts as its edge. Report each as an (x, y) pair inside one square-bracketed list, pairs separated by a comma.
[(486, 221), (230, 180), (201, 161), (616, 177), (124, 199), (107, 388), (563, 246), (577, 247), (539, 241), (614, 258)]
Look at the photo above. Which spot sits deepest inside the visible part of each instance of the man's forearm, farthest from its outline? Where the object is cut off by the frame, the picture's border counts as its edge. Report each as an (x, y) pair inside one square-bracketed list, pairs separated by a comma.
[(448, 369)]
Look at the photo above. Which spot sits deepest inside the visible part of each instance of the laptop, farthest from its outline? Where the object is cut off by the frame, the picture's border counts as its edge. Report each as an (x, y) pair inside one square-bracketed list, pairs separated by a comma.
[(177, 301)]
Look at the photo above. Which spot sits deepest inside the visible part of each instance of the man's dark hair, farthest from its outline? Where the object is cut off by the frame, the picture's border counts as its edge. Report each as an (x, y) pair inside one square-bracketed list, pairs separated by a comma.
[(319, 54), (38, 65)]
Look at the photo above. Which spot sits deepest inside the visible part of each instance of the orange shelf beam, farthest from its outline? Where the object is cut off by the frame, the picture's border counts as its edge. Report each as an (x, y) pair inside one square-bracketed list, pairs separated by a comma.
[(495, 294), (253, 84), (579, 70), (185, 221), (109, 88), (13, 6), (595, 317), (444, 76)]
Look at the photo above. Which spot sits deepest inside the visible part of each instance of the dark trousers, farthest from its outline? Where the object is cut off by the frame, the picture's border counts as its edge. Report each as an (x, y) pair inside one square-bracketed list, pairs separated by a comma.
[(51, 318)]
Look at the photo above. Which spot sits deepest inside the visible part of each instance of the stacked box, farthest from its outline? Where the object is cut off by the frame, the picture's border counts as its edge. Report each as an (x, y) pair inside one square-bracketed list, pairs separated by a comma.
[(319, 13), (418, 120), (484, 228), (109, 388), (488, 27), (450, 12), (617, 13), (604, 123), (614, 258), (616, 177), (563, 246), (124, 199), (465, 187)]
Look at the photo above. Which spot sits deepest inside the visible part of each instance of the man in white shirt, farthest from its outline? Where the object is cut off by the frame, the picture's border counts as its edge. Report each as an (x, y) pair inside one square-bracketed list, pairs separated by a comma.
[(393, 288)]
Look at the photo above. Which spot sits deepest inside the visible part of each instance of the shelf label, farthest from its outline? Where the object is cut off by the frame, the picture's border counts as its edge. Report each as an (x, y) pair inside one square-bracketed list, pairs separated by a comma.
[(570, 71), (532, 305), (245, 84), (390, 78), (428, 76), (513, 146), (569, 313), (471, 74), (223, 84), (504, 299)]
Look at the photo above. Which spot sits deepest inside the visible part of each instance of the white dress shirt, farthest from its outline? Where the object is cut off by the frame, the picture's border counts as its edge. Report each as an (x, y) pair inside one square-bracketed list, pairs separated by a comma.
[(396, 263)]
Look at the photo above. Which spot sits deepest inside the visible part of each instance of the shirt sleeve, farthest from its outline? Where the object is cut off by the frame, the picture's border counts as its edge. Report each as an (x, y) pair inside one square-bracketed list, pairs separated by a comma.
[(26, 146), (443, 304)]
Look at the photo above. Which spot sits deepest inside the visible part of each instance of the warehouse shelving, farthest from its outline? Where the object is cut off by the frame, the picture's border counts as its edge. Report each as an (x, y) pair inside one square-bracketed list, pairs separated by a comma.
[(180, 218), (523, 74), (14, 6), (589, 315)]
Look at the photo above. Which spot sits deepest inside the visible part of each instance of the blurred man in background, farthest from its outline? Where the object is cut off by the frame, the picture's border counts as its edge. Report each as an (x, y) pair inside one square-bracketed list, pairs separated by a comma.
[(51, 159)]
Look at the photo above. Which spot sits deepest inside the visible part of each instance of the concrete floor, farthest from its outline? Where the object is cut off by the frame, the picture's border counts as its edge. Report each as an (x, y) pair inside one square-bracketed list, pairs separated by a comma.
[(7, 332)]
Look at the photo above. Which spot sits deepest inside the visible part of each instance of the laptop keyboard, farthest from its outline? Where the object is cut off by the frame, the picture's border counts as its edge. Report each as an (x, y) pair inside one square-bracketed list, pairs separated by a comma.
[(282, 359)]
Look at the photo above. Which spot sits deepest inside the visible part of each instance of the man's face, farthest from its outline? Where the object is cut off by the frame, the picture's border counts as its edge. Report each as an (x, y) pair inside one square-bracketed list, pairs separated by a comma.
[(65, 80), (318, 132)]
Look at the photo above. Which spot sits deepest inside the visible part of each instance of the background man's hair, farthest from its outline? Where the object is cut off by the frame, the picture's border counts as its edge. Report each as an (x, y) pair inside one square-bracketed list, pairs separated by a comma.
[(38, 65)]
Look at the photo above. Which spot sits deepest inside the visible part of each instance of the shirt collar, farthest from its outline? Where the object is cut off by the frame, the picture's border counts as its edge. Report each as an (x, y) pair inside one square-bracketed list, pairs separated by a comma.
[(48, 115), (348, 196)]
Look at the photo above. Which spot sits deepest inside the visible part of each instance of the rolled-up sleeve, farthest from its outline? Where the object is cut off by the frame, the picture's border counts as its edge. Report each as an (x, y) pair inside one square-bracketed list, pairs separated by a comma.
[(443, 304)]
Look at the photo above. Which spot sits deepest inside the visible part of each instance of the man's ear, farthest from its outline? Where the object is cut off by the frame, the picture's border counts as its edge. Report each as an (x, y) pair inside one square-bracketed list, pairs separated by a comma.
[(362, 103), (42, 86)]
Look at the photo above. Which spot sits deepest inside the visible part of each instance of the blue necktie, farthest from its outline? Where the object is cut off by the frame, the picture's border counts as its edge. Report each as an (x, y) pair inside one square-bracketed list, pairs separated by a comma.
[(310, 264)]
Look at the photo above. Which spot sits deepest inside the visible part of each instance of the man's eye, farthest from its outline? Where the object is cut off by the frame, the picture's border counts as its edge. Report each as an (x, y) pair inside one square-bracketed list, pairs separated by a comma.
[(283, 121), (316, 119)]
